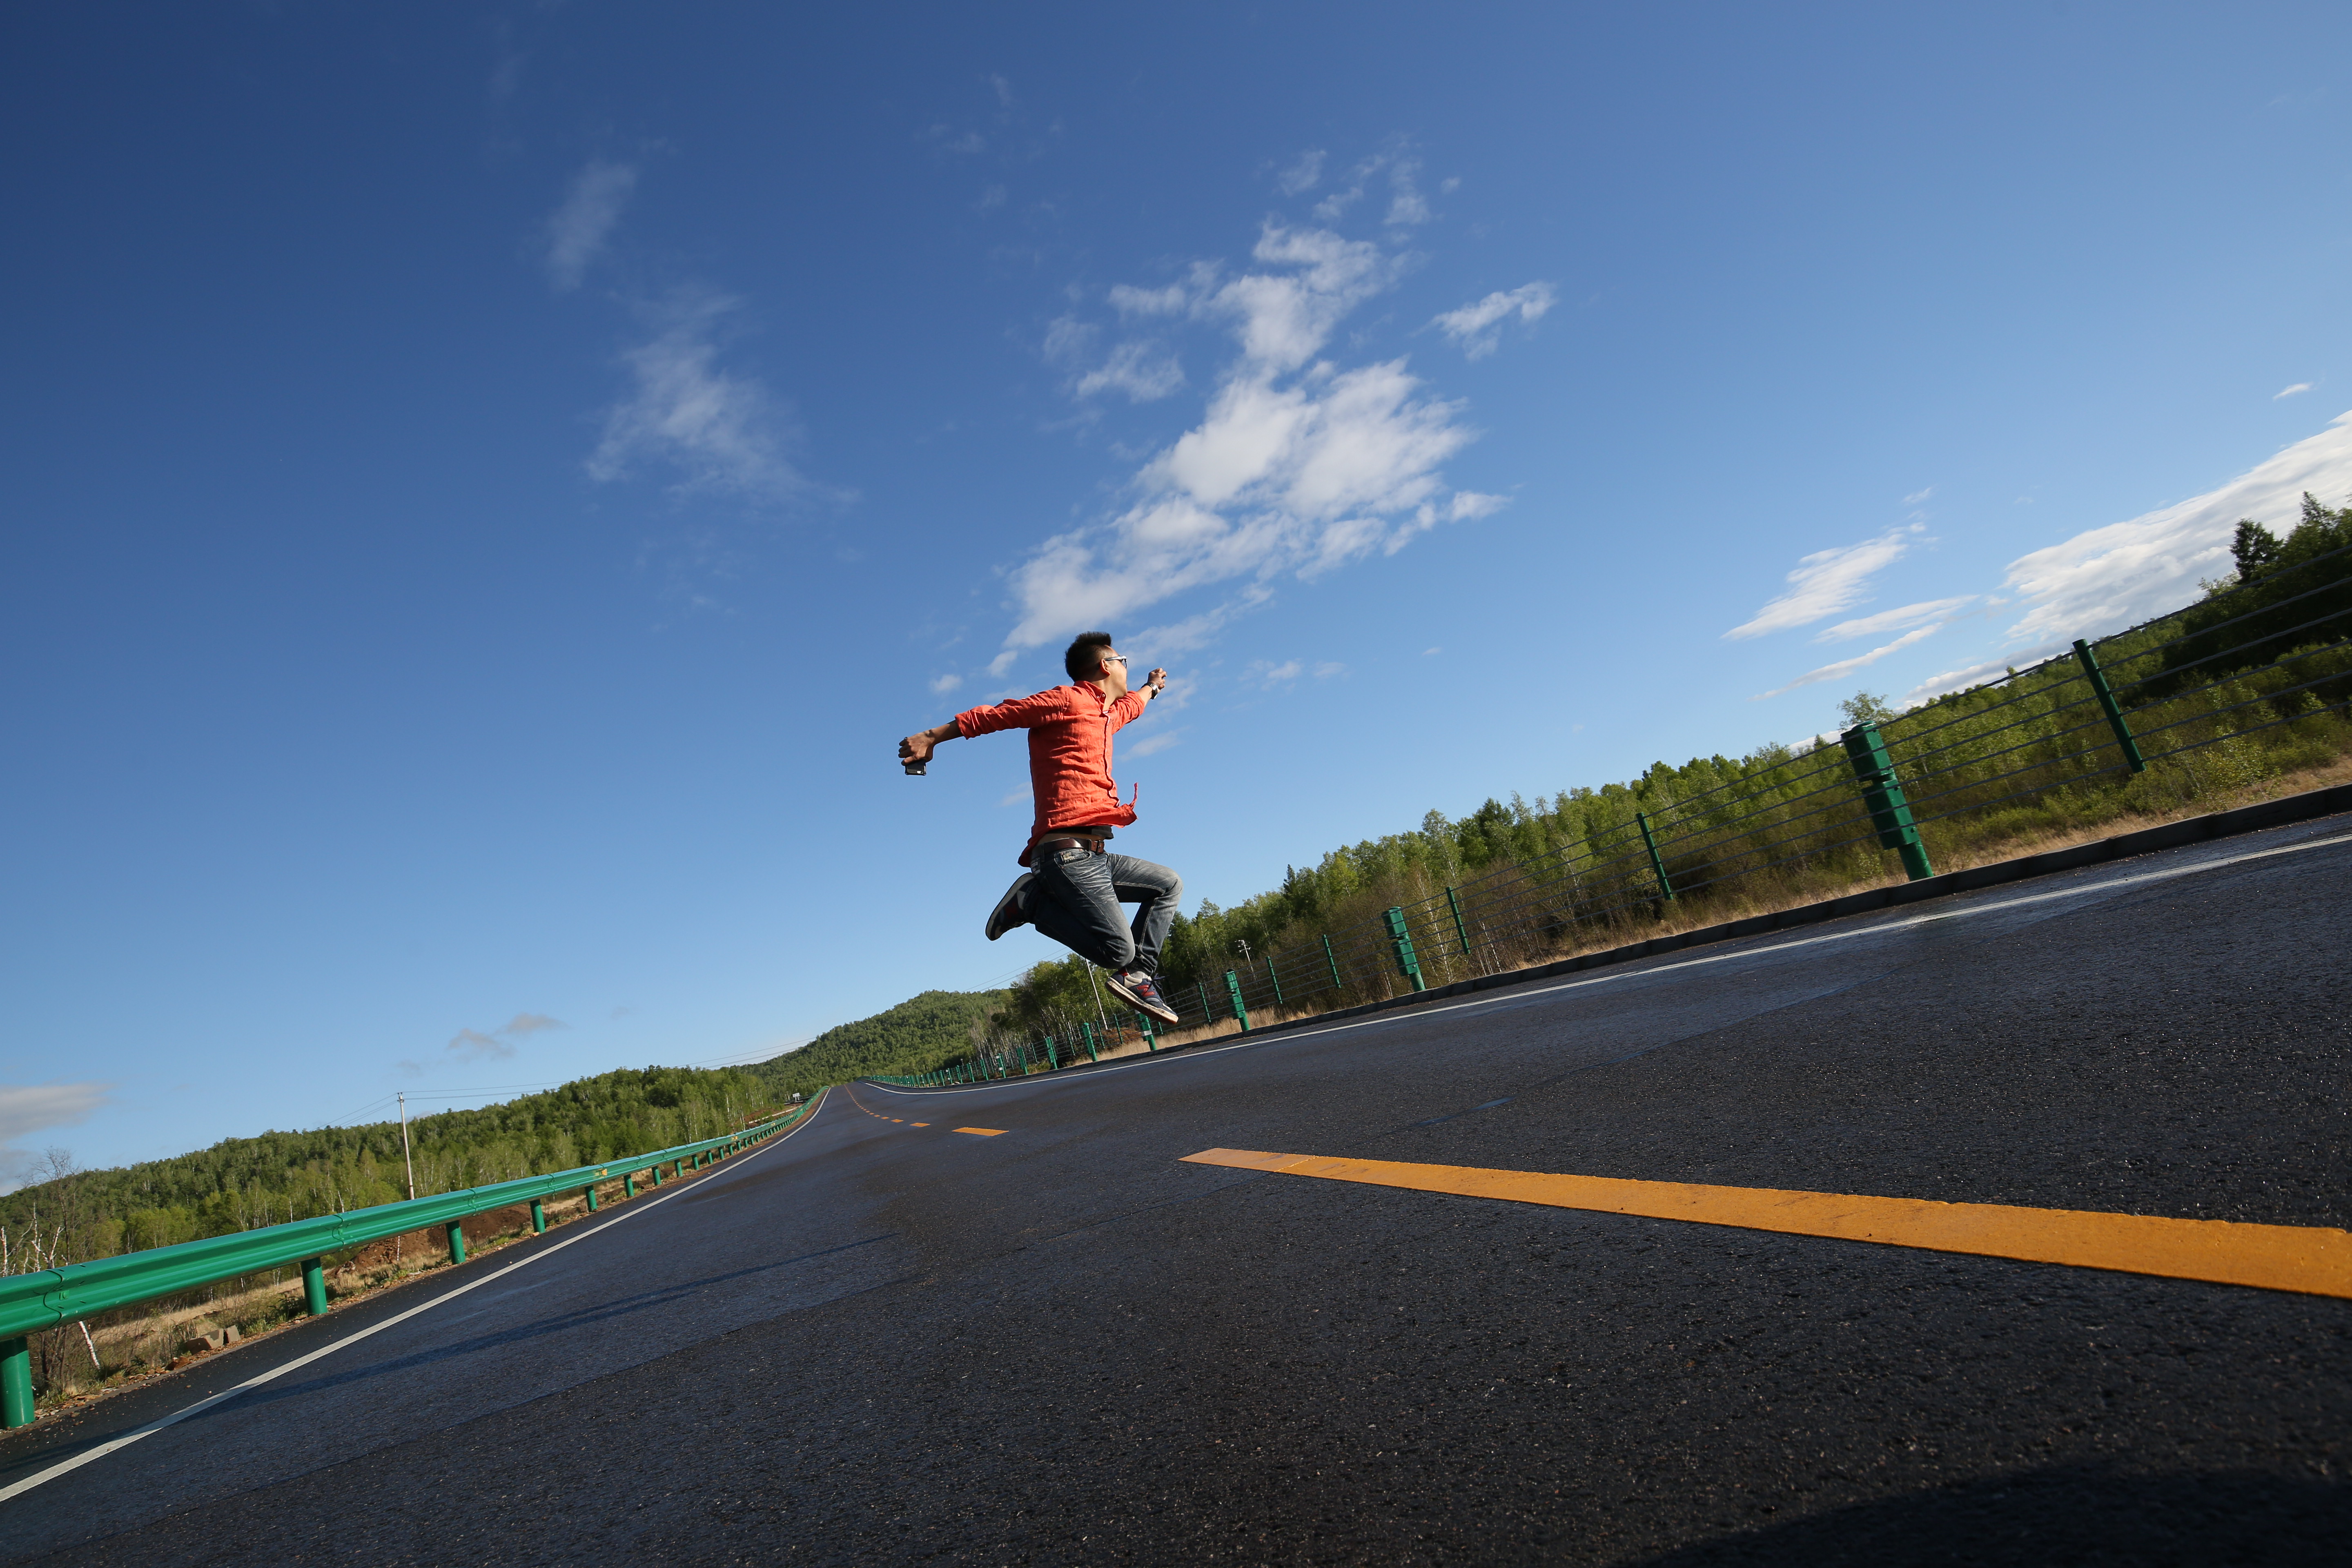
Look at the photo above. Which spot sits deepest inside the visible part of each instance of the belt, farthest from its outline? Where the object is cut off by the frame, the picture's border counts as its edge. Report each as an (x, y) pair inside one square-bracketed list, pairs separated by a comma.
[(1053, 841)]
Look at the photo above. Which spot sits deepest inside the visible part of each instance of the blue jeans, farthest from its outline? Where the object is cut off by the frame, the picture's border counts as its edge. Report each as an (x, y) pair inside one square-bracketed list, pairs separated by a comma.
[(1076, 898)]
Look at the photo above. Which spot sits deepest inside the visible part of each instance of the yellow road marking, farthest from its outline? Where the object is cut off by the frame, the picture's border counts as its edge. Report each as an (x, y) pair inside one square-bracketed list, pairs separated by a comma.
[(918, 1124), (984, 1131), (2312, 1259)]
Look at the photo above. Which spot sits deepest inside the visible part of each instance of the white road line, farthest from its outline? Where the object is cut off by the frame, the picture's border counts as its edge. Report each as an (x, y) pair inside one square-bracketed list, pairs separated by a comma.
[(111, 1445), (1629, 971)]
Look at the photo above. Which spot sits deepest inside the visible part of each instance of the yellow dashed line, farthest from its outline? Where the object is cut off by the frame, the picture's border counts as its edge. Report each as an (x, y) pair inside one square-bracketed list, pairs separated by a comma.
[(2311, 1260), (996, 1132)]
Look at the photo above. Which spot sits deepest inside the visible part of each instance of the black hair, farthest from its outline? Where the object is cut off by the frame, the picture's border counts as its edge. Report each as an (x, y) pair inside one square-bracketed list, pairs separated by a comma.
[(1083, 658)]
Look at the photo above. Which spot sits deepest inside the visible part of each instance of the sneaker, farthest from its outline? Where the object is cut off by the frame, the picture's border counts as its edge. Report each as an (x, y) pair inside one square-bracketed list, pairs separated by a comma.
[(1140, 991), (1008, 913)]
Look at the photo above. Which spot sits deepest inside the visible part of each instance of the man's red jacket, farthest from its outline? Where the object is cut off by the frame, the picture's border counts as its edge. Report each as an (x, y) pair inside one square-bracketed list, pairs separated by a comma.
[(1070, 729)]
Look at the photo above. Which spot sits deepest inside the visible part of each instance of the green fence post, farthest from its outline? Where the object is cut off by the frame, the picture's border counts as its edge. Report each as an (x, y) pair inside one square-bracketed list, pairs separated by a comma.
[(591, 1190), (1086, 1032), (314, 1286), (1274, 979), (1337, 982), (538, 1217), (629, 1184), (655, 1170), (1052, 1057), (1202, 986), (456, 1235), (15, 1383), (1460, 930), (1882, 796), (1665, 888), (1233, 990), (1143, 1026), (1402, 936), (2109, 706)]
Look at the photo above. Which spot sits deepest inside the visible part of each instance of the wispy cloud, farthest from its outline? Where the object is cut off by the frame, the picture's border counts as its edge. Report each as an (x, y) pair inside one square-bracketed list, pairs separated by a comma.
[(2106, 578), (1829, 581), (945, 684), (1846, 667), (1887, 621), (2290, 391), (1298, 465), (1142, 370), (579, 229), (1160, 742), (1407, 206), (719, 431), (474, 1046), (37, 1108), (1477, 327), (1302, 175)]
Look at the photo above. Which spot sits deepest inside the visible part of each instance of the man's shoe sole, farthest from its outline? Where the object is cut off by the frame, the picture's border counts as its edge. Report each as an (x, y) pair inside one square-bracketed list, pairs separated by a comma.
[(1119, 989), (1007, 913)]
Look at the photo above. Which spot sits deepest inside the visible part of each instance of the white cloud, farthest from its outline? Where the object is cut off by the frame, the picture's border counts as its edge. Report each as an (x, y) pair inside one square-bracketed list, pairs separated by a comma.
[(722, 431), (523, 1024), (1302, 175), (2107, 578), (34, 1107), (1887, 621), (1151, 743), (1845, 667), (945, 684), (1297, 466), (1829, 581), (577, 231), (1272, 675), (1477, 327), (1015, 798), (1143, 371), (2290, 391), (1405, 204), (1916, 496)]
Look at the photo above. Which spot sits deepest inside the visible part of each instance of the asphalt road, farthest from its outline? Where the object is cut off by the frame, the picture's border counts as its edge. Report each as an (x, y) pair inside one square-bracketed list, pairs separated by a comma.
[(875, 1341)]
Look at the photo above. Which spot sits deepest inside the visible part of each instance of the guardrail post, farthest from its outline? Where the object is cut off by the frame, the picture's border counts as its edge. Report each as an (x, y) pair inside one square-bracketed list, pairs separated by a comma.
[(1650, 841), (314, 1286), (1329, 958), (1087, 1031), (1276, 980), (1201, 987), (1233, 990), (1402, 937), (591, 1191), (1052, 1057), (1460, 930), (456, 1235), (1143, 1026), (2109, 706), (654, 1171), (1882, 796), (629, 1184), (15, 1383), (538, 1217)]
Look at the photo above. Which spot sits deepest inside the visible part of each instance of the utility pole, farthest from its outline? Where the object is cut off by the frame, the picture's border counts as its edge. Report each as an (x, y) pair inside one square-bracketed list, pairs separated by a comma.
[(1100, 1017), (405, 1157), (1241, 947)]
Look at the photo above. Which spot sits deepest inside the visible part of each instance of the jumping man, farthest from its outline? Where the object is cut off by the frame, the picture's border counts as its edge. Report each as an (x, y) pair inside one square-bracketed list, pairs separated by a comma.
[(1075, 886)]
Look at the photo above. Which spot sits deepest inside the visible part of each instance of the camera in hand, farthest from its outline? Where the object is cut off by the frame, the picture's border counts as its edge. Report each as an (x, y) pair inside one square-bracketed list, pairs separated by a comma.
[(914, 769)]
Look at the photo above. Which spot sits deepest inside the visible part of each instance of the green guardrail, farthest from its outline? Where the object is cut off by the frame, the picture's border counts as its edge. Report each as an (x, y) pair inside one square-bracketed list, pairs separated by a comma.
[(50, 1297)]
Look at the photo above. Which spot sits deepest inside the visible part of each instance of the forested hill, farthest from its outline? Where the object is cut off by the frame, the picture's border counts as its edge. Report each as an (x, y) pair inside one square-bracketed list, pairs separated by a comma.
[(241, 1182), (922, 1032)]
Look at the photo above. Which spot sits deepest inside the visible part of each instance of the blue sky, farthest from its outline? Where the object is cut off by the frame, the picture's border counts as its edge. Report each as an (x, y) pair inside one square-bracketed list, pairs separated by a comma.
[(486, 487)]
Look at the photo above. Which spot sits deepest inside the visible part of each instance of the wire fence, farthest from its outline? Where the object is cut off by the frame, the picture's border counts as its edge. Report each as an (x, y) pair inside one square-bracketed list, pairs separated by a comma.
[(2252, 680)]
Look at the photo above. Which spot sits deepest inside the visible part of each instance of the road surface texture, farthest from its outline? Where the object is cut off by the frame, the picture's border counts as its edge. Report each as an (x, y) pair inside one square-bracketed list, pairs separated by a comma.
[(883, 1338)]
